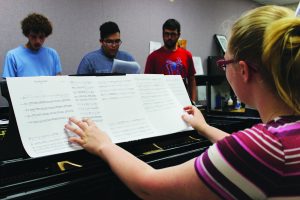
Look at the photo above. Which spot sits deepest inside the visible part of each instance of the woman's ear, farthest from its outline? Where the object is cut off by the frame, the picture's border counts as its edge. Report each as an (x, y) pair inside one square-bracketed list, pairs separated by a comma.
[(244, 70)]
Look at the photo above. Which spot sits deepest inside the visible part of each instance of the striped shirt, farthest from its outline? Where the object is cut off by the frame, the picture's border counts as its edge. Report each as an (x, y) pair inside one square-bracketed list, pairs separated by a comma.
[(262, 162)]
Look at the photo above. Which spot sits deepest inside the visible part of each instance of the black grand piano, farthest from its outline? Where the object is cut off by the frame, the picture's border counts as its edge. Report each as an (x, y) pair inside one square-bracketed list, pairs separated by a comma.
[(80, 175)]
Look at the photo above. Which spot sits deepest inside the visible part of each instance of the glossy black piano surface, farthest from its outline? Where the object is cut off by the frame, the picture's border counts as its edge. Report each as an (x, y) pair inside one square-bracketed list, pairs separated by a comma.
[(87, 175)]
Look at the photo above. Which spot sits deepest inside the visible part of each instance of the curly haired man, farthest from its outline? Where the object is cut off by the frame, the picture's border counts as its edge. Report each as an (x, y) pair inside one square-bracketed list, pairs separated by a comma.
[(33, 59)]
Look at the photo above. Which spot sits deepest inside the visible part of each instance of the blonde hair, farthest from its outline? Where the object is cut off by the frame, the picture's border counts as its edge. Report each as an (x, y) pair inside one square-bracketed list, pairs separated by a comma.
[(281, 57), (268, 38)]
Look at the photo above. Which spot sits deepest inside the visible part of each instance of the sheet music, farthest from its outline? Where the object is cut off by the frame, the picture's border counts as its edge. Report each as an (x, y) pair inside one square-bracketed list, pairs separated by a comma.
[(124, 112), (126, 107), (198, 65), (41, 111), (87, 98), (158, 100), (154, 46), (125, 67), (177, 86)]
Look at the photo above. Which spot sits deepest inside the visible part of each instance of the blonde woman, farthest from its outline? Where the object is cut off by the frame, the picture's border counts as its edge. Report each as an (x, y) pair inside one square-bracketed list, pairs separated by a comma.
[(263, 162)]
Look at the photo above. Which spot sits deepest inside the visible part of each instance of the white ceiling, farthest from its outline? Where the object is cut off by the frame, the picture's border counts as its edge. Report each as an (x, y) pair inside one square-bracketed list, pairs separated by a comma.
[(277, 2)]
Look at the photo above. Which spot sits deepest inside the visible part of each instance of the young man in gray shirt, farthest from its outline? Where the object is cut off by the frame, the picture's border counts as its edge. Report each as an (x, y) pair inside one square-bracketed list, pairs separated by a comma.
[(101, 60)]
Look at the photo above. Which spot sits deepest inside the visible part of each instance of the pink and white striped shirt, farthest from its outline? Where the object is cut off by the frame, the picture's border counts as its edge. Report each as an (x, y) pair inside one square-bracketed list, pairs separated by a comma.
[(262, 162)]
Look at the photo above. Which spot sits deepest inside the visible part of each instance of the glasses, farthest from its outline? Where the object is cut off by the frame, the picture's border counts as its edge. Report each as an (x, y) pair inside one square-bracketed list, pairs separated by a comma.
[(113, 42), (168, 34), (222, 63)]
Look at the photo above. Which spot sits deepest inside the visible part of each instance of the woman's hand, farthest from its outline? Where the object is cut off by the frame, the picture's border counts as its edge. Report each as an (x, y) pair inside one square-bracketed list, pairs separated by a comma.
[(194, 118), (91, 138)]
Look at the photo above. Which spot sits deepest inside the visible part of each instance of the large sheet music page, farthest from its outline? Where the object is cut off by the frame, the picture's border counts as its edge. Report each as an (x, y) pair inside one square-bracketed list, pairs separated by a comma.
[(124, 114), (178, 88), (162, 107), (42, 106), (128, 108)]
